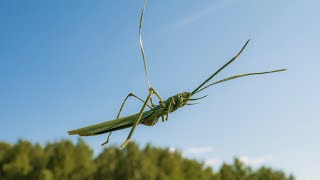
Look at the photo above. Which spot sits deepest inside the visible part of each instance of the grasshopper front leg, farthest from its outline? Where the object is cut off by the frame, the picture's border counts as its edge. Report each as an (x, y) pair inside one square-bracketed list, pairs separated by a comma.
[(172, 102)]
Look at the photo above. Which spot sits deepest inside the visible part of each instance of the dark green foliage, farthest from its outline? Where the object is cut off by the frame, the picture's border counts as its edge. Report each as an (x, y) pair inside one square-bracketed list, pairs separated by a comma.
[(69, 161), (66, 160)]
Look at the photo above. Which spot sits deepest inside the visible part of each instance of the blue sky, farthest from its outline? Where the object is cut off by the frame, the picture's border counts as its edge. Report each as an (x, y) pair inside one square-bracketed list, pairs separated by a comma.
[(68, 64)]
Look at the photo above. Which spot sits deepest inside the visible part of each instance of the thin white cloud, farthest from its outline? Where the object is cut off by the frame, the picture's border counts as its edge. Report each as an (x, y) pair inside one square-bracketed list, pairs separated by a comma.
[(198, 150), (213, 162), (172, 149), (255, 161), (194, 17), (206, 154), (250, 161), (198, 15)]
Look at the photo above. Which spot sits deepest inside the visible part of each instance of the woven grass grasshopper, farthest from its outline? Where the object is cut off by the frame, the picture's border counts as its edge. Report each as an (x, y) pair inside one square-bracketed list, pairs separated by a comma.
[(161, 110)]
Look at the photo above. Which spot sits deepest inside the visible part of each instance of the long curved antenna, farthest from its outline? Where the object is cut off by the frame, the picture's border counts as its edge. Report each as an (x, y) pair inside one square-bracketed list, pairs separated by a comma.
[(141, 45), (224, 66), (239, 76), (193, 99)]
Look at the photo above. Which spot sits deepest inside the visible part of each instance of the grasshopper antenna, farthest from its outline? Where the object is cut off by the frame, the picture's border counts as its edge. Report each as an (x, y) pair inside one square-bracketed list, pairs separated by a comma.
[(239, 76), (224, 66), (193, 99), (200, 88)]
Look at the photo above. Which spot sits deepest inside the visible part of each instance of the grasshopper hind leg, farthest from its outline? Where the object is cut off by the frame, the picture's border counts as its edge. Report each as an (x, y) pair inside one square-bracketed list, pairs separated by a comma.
[(138, 119), (123, 103)]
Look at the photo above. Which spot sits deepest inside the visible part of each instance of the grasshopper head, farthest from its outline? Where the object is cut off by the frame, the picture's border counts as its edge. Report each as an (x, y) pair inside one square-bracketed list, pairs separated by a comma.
[(185, 96)]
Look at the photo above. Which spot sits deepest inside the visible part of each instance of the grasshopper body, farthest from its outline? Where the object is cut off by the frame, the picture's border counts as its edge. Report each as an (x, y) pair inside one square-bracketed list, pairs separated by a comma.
[(163, 109), (149, 118)]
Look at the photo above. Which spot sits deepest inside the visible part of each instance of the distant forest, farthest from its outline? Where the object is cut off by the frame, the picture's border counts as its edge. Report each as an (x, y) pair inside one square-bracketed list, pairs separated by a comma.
[(64, 160)]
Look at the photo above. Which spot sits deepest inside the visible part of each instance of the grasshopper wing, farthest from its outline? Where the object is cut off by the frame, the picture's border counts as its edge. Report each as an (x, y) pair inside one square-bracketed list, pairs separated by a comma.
[(109, 126)]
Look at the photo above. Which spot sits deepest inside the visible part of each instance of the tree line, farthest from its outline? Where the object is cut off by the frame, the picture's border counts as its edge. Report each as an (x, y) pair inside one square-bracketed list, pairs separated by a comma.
[(65, 160)]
